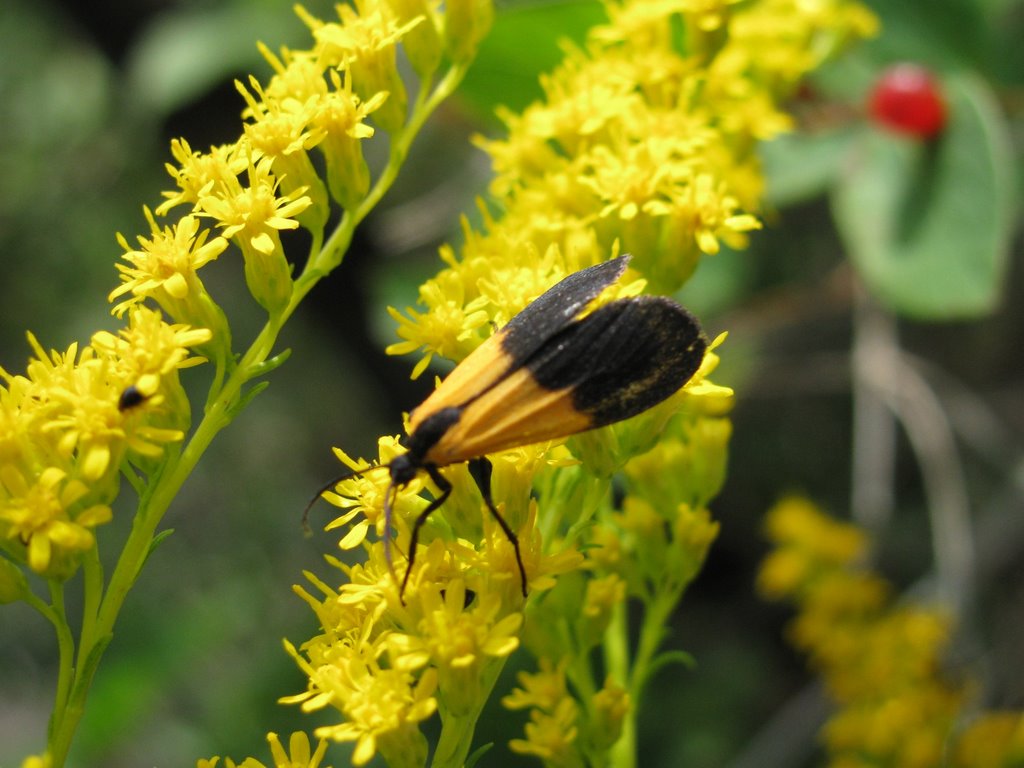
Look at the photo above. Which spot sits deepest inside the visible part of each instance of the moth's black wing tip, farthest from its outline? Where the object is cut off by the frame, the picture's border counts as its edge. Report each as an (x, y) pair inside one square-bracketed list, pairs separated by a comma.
[(557, 307), (624, 357), (668, 348), (588, 283)]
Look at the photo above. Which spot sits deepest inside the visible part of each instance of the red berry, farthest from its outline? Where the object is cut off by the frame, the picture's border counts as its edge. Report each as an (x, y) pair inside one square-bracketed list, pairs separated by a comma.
[(906, 99)]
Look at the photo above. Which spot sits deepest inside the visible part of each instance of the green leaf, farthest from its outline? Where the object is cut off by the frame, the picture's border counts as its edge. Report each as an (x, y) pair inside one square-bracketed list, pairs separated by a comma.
[(937, 32), (87, 669), (927, 225), (158, 540), (799, 167), (474, 758), (665, 659), (269, 365), (524, 43), (247, 397), (671, 657)]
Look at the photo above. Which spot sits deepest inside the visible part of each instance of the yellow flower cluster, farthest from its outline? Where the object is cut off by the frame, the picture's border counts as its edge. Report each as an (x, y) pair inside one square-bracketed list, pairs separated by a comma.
[(991, 740), (640, 144), (882, 662), (644, 143), (69, 421), (67, 424), (386, 663), (267, 182), (77, 419), (649, 551)]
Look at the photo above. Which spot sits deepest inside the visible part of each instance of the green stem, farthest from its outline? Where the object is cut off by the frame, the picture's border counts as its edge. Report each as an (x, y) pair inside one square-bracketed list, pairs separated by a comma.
[(66, 669), (49, 613), (92, 585), (101, 615), (634, 673), (652, 632), (457, 732), (616, 659), (455, 740)]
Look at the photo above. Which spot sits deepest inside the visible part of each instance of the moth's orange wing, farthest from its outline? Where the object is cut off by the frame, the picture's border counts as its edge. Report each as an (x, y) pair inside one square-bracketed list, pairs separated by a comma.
[(508, 349), (616, 362)]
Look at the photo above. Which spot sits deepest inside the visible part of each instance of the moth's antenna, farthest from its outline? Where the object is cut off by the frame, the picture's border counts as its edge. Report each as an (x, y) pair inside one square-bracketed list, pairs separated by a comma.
[(330, 484), (388, 558)]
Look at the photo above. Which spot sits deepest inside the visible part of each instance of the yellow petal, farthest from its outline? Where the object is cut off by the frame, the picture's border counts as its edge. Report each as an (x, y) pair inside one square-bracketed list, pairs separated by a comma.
[(176, 286)]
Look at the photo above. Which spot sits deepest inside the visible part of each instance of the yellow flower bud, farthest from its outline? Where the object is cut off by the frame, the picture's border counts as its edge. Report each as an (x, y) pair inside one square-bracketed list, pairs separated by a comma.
[(13, 584), (610, 707), (466, 22), (603, 595), (422, 43), (267, 273)]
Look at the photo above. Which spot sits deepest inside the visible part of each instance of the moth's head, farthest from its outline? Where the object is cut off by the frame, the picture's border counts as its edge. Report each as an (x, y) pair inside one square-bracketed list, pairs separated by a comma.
[(403, 469)]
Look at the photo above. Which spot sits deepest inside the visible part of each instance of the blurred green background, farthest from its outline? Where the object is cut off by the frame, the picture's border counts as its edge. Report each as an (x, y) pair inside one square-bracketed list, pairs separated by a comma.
[(91, 95)]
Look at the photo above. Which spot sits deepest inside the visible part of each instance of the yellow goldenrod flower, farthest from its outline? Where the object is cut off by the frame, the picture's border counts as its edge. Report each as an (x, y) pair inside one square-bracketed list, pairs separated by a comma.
[(552, 736), (164, 268), (336, 614), (992, 740), (422, 44), (452, 635), (363, 44), (458, 640), (150, 347), (881, 663), (466, 22), (364, 495), (77, 400), (341, 115), (449, 328), (253, 216), (298, 754), (197, 172), (283, 130), (602, 596), (644, 23), (63, 434), (693, 532), (797, 526), (541, 690), (37, 761), (781, 40), (382, 706), (297, 76), (148, 355), (43, 515), (495, 558), (667, 474)]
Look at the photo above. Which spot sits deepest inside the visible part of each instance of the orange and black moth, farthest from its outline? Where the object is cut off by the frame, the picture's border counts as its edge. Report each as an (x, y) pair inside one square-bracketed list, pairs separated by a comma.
[(553, 371)]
